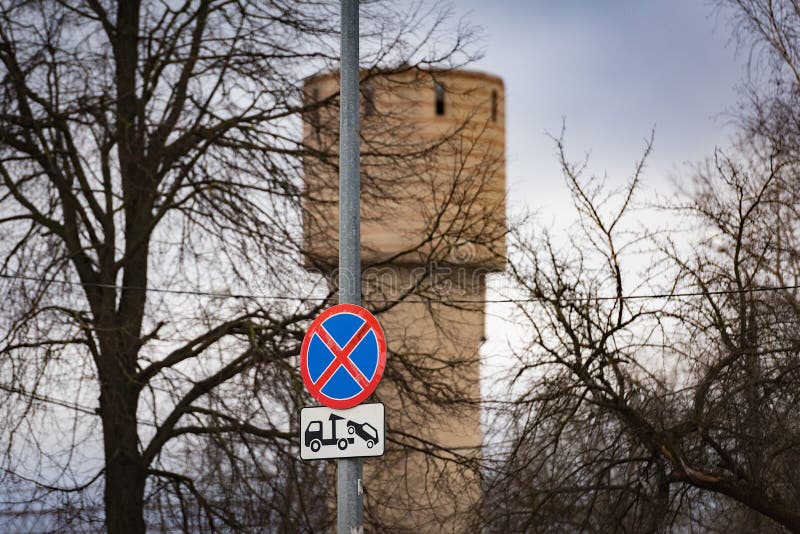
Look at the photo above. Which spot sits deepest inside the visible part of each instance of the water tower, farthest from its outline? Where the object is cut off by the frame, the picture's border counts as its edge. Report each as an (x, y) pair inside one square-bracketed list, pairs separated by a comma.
[(433, 226)]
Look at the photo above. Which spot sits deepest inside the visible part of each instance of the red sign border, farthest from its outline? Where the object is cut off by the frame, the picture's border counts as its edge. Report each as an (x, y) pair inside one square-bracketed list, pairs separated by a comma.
[(376, 378)]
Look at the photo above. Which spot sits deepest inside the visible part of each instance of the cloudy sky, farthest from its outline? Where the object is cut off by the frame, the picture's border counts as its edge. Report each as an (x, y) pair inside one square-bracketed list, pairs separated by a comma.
[(614, 69)]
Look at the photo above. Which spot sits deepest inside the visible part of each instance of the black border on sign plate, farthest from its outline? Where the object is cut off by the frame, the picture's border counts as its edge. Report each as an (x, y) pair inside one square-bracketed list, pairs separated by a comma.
[(342, 457)]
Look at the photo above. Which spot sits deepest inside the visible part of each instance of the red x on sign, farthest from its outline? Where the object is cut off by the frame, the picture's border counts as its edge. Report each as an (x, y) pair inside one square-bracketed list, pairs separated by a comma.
[(343, 356)]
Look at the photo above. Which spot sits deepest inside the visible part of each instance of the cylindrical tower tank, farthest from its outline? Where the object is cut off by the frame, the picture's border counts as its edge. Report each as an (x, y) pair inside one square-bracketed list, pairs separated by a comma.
[(433, 168), (433, 225)]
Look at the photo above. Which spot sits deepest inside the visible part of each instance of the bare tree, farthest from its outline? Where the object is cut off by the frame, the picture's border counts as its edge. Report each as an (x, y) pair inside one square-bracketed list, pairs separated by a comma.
[(669, 401), (150, 207), (668, 398)]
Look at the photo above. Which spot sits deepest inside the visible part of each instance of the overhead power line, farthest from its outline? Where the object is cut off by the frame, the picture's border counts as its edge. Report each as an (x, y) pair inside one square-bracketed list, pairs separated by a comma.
[(411, 298)]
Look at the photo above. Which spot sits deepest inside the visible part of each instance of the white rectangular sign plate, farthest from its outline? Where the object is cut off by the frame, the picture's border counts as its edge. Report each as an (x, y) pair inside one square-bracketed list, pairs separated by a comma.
[(326, 433)]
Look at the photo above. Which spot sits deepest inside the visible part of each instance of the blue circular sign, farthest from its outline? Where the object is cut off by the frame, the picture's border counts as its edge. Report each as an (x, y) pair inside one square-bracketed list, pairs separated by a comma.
[(343, 356)]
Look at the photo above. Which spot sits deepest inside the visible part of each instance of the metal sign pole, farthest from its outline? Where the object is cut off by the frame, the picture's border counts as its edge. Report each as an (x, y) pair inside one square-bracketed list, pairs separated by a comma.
[(348, 485)]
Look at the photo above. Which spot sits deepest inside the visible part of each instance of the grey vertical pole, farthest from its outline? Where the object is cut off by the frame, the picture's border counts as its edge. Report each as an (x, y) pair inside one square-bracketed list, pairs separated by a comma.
[(350, 514)]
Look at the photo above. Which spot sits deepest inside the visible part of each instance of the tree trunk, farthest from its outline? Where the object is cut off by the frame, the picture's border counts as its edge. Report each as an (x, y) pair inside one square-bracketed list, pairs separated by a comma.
[(125, 470)]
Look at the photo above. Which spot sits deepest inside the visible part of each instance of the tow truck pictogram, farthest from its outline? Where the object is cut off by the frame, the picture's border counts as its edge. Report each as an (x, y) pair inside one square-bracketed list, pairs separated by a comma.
[(315, 439), (329, 434)]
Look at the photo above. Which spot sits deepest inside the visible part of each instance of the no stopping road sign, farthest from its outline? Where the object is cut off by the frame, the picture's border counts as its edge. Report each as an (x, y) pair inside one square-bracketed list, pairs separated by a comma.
[(343, 356)]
